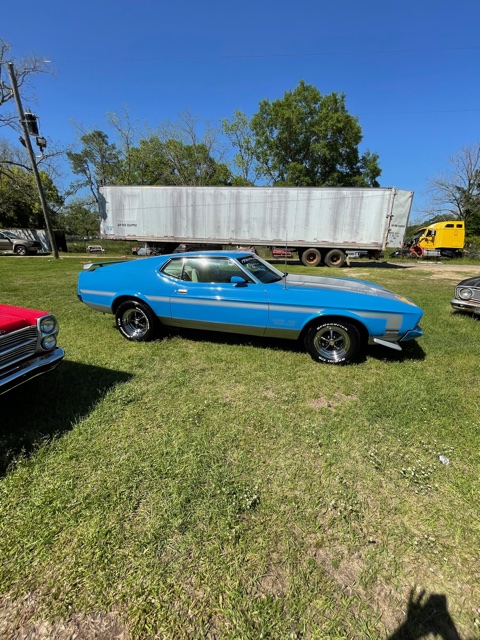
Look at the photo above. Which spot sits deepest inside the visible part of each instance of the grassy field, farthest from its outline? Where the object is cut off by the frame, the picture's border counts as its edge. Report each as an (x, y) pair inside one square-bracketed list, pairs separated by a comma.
[(210, 486)]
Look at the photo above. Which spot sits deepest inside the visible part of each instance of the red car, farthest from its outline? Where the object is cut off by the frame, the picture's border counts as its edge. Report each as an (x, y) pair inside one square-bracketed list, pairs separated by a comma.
[(28, 345)]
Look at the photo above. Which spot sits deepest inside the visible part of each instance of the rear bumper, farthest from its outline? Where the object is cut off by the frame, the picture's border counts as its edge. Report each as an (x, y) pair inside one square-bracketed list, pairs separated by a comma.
[(32, 368), (463, 305)]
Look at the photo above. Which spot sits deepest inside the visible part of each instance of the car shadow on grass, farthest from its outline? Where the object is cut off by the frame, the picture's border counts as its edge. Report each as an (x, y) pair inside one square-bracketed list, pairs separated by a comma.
[(410, 350), (235, 339), (50, 406)]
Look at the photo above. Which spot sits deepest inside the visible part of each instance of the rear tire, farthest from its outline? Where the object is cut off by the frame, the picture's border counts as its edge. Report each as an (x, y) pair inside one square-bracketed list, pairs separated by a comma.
[(335, 342), (311, 257), (136, 321), (335, 258)]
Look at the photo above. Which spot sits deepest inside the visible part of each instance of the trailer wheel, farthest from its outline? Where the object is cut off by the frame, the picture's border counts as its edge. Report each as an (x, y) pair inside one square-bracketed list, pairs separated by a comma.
[(311, 257), (335, 258), (136, 321)]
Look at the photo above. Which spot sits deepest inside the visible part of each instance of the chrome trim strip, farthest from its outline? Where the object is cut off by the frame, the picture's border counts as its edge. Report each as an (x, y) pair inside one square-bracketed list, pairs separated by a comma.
[(94, 292), (220, 301), (158, 298)]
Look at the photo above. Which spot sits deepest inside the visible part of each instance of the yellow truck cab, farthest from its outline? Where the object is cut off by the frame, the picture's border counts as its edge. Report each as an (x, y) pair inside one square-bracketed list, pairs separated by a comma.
[(445, 239)]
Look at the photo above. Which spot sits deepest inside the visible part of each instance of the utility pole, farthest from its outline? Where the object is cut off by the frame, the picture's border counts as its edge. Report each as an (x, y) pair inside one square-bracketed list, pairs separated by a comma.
[(33, 160)]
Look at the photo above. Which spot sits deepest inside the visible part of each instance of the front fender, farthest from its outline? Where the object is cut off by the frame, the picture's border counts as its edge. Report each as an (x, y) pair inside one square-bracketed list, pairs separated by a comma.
[(376, 323)]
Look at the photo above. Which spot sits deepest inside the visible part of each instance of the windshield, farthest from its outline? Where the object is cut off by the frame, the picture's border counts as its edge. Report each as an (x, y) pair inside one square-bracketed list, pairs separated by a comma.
[(9, 234), (418, 234), (261, 269)]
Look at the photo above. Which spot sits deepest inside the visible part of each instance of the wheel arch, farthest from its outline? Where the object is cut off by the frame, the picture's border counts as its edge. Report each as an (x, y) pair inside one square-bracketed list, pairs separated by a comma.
[(336, 317), (125, 297)]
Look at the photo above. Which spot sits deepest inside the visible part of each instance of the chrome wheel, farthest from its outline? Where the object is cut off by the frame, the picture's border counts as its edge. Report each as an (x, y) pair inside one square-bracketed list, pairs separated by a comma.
[(334, 342), (136, 321)]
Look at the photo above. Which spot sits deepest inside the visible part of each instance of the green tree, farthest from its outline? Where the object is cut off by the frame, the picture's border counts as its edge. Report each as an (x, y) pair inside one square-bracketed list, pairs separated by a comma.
[(306, 139), (80, 219), (171, 162), (19, 202), (149, 164), (97, 163), (239, 131), (185, 152)]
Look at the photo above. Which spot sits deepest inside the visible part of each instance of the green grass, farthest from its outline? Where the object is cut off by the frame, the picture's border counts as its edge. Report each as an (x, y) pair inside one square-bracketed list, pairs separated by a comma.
[(210, 486)]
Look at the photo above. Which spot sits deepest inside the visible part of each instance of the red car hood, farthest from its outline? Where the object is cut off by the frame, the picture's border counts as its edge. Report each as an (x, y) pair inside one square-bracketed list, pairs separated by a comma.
[(14, 318)]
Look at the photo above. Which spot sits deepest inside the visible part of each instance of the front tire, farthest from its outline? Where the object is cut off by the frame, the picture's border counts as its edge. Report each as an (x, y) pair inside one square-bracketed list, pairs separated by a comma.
[(20, 250), (335, 342), (136, 321)]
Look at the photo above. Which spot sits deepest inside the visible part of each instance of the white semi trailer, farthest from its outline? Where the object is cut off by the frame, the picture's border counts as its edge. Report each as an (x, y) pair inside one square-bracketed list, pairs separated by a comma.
[(321, 223)]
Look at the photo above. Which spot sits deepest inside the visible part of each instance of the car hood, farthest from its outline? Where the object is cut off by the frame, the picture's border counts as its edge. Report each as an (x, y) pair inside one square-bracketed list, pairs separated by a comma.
[(470, 282), (349, 285), (15, 318)]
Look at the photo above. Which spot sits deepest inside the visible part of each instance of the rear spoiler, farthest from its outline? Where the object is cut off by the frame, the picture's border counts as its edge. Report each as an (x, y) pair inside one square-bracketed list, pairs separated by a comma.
[(91, 266)]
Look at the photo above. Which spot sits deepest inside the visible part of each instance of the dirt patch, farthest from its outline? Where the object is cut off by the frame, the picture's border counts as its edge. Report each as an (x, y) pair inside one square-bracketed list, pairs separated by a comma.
[(19, 621), (329, 403), (274, 582), (440, 269)]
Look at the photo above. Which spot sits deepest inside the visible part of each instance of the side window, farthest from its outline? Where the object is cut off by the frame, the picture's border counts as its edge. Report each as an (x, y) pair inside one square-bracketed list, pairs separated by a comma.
[(449, 226), (174, 268), (208, 270), (213, 270), (227, 269)]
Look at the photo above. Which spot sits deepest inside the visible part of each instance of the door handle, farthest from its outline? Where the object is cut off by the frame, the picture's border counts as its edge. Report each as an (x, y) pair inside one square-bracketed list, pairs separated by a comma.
[(182, 290)]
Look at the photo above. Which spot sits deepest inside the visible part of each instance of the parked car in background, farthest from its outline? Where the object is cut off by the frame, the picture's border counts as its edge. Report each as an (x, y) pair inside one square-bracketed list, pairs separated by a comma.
[(11, 243), (28, 345), (95, 248), (144, 250), (238, 292), (467, 296)]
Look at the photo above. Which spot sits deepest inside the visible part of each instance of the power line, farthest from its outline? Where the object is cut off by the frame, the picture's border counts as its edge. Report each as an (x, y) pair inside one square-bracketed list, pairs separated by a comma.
[(274, 55)]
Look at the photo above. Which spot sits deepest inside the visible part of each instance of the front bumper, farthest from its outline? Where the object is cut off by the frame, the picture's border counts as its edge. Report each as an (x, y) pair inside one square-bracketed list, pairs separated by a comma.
[(393, 342), (33, 367), (413, 334), (464, 305)]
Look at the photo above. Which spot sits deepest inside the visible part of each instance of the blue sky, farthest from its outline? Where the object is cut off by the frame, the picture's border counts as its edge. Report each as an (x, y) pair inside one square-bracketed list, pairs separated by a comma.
[(410, 70)]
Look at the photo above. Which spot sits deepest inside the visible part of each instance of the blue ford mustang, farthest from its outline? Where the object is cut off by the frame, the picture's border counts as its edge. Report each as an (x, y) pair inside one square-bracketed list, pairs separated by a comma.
[(238, 292)]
